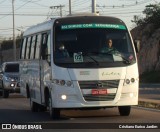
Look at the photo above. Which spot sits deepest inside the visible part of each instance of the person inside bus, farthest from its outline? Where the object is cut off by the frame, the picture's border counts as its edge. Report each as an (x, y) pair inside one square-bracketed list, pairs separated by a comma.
[(108, 48), (61, 52)]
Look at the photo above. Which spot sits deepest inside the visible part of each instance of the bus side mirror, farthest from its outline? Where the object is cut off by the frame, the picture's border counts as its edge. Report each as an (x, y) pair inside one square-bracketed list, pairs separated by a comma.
[(137, 45)]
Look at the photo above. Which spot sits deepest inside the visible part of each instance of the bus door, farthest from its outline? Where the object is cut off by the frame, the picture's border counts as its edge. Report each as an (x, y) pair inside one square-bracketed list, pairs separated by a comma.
[(45, 62)]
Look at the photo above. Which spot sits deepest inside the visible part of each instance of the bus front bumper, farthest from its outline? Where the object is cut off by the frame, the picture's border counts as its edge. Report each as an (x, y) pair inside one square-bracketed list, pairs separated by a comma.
[(72, 101)]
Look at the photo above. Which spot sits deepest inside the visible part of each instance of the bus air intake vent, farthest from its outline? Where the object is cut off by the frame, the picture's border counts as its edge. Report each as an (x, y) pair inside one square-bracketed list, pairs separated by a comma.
[(108, 85)]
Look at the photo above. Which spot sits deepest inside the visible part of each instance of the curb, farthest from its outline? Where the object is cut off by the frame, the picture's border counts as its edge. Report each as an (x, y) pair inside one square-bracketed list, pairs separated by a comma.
[(147, 104)]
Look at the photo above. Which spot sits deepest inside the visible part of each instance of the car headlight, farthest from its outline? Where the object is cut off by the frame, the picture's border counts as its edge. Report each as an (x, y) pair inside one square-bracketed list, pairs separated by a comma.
[(9, 79)]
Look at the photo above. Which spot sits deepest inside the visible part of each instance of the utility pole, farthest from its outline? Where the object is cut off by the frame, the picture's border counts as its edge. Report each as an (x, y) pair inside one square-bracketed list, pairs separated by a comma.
[(14, 40), (93, 6), (1, 53), (56, 7), (70, 12)]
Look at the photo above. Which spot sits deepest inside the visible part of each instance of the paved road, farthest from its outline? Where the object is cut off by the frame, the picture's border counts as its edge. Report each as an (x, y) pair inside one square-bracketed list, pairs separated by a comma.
[(16, 110)]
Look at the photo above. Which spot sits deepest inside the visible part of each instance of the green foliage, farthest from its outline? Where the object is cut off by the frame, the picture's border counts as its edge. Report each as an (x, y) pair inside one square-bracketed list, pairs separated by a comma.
[(8, 44), (152, 13), (150, 77)]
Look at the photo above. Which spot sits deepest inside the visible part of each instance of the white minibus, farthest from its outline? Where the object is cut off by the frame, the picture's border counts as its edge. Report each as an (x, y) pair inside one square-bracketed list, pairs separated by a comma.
[(67, 63)]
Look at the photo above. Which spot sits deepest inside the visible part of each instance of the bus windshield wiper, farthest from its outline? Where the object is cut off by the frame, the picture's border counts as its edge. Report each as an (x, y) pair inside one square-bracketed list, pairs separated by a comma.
[(124, 59), (87, 54), (118, 54)]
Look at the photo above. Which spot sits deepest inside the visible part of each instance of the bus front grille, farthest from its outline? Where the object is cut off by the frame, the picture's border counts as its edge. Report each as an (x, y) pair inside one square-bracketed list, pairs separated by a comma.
[(104, 84)]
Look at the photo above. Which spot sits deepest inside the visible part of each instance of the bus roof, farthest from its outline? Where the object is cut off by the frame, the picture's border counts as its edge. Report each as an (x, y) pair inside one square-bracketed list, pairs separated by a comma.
[(39, 27), (72, 19)]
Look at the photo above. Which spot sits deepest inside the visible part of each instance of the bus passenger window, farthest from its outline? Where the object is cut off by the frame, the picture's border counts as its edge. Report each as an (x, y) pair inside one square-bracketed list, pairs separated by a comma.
[(28, 48), (38, 46), (23, 48), (32, 47), (45, 50), (48, 52)]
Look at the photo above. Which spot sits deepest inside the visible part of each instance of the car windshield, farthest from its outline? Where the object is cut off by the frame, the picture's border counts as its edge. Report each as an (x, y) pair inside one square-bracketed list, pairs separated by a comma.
[(88, 47), (12, 68)]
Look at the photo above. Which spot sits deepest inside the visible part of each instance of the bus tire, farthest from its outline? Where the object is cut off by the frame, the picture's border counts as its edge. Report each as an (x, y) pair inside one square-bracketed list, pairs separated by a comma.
[(34, 106), (124, 110), (42, 108), (54, 112), (5, 93), (1, 93)]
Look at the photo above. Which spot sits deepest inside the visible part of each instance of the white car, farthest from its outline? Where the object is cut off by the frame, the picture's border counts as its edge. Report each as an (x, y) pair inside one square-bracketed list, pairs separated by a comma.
[(9, 78)]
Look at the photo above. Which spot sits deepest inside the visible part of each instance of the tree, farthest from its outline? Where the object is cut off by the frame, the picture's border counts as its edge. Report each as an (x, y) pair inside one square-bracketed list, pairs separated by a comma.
[(152, 15)]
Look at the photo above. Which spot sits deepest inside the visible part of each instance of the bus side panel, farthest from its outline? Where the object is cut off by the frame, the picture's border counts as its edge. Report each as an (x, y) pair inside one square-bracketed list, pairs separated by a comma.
[(23, 77), (34, 80)]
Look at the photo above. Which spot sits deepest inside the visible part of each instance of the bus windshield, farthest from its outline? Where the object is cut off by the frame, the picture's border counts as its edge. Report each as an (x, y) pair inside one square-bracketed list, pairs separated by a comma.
[(92, 45)]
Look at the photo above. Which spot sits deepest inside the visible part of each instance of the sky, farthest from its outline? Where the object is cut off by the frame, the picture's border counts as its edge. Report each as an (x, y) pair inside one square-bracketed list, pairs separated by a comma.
[(32, 12)]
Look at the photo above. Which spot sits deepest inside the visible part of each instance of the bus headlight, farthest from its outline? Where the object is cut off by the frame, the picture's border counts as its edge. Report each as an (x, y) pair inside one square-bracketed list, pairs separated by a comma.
[(56, 81), (68, 83), (127, 81), (63, 82), (130, 81)]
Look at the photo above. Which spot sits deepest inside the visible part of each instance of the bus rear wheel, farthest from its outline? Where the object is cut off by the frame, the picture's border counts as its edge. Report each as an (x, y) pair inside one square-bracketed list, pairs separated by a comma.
[(33, 106), (124, 110), (54, 112)]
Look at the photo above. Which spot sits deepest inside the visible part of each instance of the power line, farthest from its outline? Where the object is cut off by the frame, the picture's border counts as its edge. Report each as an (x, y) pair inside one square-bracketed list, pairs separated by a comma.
[(125, 6), (22, 14), (16, 9), (58, 7), (35, 3)]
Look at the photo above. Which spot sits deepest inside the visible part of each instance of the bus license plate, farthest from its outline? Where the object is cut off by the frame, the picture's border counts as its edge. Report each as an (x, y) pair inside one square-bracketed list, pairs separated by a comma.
[(99, 91)]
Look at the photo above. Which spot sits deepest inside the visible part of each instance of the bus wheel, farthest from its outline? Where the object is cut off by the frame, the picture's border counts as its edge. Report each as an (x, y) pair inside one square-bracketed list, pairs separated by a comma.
[(1, 93), (54, 112), (124, 110), (42, 108), (34, 106), (5, 94)]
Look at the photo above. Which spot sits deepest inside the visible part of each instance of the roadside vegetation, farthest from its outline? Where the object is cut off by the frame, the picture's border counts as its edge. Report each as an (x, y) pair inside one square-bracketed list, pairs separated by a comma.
[(150, 77), (8, 44), (152, 16)]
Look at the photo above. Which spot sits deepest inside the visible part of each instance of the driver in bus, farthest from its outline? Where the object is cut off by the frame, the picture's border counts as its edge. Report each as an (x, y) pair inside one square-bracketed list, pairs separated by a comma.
[(108, 48), (61, 52)]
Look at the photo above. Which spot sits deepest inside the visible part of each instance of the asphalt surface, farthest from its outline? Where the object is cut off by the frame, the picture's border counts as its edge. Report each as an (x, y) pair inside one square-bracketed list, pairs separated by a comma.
[(149, 96)]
